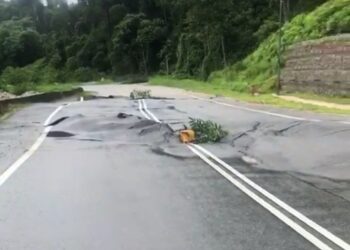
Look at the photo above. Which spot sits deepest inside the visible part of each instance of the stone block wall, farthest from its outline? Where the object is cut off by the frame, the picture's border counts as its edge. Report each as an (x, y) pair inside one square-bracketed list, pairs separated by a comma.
[(318, 66)]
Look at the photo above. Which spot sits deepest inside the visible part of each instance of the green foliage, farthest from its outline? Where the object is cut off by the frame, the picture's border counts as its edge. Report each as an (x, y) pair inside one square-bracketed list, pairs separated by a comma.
[(72, 63), (140, 94), (101, 62), (259, 68), (16, 80), (12, 76), (85, 75), (19, 80), (117, 12), (87, 52), (207, 131), (19, 43), (31, 47), (186, 38)]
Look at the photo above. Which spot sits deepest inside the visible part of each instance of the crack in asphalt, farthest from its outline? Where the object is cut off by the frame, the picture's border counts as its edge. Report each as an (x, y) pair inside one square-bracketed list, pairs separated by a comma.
[(310, 183), (282, 131), (254, 128), (58, 121), (337, 132)]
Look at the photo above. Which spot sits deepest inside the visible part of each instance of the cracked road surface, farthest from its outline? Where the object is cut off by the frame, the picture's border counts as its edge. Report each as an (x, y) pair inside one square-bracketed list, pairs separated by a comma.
[(105, 177)]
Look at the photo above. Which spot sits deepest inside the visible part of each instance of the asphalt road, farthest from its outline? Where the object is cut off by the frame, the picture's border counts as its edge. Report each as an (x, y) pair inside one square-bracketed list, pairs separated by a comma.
[(96, 180)]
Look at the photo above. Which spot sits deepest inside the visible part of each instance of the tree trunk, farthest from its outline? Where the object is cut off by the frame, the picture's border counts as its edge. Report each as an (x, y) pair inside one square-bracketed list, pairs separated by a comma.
[(144, 57), (167, 64), (164, 9), (109, 23), (223, 50), (286, 10), (207, 53)]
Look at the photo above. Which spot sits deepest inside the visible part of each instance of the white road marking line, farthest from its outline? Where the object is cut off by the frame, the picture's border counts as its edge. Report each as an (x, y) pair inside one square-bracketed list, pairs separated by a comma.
[(257, 110), (300, 230), (345, 122), (48, 120), (336, 240), (149, 112), (17, 164), (141, 110)]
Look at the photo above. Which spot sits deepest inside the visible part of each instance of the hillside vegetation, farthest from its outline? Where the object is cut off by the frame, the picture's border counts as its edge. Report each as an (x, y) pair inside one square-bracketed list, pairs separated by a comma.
[(94, 39), (259, 68)]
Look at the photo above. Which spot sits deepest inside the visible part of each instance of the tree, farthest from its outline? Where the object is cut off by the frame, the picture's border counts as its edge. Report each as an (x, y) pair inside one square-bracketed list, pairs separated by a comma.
[(185, 37), (31, 47), (148, 33), (20, 44)]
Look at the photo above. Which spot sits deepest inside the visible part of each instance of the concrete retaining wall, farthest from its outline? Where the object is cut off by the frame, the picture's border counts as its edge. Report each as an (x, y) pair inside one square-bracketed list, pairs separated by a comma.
[(44, 97), (319, 66)]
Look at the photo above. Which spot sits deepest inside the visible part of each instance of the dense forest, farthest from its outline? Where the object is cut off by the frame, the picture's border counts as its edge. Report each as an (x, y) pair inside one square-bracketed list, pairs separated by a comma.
[(54, 41)]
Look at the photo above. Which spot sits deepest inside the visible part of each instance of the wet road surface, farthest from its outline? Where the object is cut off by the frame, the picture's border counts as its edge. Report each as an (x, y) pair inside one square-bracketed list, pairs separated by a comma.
[(106, 181)]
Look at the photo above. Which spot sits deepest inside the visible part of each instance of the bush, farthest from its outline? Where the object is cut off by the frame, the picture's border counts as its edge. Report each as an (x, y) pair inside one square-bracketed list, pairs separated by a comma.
[(85, 74), (15, 76), (56, 61), (72, 63), (17, 80), (101, 62), (259, 68), (18, 89), (20, 80), (207, 131)]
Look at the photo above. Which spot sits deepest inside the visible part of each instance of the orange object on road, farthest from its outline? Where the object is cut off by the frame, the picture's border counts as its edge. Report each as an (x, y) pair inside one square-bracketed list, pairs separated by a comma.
[(187, 136)]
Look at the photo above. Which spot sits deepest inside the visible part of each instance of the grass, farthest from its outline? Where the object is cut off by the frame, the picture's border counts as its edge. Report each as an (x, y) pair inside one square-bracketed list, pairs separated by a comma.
[(6, 112), (331, 99), (44, 88), (259, 68), (225, 90)]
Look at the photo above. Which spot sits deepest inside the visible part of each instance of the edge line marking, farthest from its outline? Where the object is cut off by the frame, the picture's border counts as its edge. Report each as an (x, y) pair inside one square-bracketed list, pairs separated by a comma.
[(24, 157), (256, 110)]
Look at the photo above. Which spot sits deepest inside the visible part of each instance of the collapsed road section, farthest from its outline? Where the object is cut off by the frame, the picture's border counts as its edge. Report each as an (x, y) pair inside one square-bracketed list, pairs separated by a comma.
[(280, 212), (107, 177)]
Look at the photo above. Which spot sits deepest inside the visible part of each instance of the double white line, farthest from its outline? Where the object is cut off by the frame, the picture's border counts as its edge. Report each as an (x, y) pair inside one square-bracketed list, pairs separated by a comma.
[(279, 208), (145, 112)]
